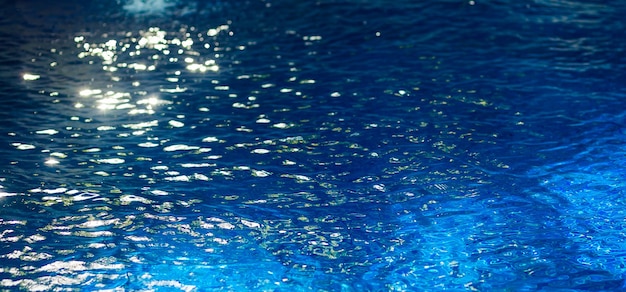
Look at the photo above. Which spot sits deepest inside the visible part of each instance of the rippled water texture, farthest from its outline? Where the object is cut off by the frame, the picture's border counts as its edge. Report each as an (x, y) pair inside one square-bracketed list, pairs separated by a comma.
[(301, 145)]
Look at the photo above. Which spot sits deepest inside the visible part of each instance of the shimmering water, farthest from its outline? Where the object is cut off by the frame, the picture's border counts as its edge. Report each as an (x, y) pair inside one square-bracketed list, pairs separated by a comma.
[(313, 145)]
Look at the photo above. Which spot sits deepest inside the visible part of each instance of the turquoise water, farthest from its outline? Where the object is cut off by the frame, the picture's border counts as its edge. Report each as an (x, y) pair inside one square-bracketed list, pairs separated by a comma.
[(323, 146)]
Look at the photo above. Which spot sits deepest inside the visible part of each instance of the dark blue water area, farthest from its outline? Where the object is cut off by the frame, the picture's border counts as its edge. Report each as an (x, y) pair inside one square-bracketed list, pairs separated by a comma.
[(313, 145)]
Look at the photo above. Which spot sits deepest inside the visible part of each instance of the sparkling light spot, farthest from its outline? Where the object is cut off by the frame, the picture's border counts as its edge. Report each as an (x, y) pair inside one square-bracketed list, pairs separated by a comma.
[(261, 173), (147, 145), (176, 124), (21, 146), (260, 151), (159, 193), (89, 92), (179, 147), (30, 77), (110, 160), (210, 139), (47, 132)]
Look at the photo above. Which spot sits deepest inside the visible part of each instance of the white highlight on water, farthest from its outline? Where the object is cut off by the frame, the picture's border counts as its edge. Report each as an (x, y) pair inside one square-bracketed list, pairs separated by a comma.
[(148, 6)]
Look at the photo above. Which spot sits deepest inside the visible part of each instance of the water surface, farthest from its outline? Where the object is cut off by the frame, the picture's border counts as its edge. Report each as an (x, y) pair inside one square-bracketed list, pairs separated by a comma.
[(329, 145)]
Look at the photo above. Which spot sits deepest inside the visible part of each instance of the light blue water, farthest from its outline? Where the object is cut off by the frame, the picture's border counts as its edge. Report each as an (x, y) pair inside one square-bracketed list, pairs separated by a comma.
[(324, 146)]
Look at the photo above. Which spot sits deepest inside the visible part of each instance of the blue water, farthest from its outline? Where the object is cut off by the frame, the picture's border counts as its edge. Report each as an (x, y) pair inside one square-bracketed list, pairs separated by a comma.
[(313, 145)]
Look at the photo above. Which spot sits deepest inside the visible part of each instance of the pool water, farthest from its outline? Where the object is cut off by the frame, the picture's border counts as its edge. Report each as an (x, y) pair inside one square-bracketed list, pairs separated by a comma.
[(333, 145)]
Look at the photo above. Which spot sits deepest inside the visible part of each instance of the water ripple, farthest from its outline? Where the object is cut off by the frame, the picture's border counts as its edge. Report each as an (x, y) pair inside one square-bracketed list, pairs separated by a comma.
[(334, 145)]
